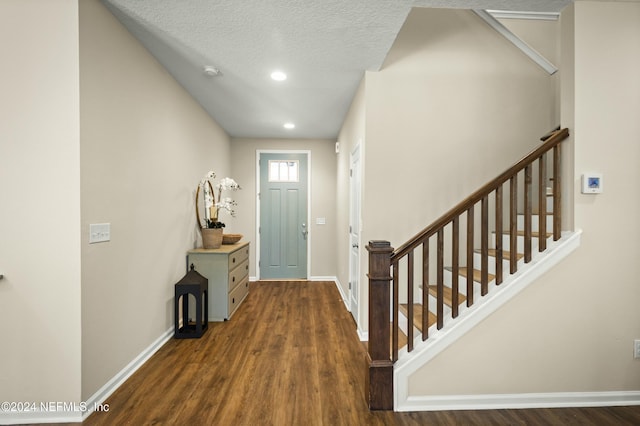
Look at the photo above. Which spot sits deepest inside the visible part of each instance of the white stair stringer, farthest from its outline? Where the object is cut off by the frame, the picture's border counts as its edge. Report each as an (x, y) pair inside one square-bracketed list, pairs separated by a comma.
[(468, 318)]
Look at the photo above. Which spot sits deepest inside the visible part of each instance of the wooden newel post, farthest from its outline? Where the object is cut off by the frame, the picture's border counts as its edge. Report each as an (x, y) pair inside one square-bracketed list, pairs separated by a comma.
[(379, 390)]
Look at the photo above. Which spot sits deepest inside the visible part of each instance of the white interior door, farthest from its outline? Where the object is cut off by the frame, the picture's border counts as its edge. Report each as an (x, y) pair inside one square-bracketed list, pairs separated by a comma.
[(354, 233)]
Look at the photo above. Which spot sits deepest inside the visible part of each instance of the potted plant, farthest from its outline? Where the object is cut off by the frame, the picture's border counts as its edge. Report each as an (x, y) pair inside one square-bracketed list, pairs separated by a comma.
[(211, 227)]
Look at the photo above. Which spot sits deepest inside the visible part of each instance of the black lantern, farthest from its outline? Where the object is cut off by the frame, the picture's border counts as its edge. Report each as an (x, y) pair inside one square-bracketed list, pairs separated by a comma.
[(195, 284)]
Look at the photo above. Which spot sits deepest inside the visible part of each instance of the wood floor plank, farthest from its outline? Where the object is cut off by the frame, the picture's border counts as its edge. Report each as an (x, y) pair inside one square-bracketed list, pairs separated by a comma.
[(290, 355)]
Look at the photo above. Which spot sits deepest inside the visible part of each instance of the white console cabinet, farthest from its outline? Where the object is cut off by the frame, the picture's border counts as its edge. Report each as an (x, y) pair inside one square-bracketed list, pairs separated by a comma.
[(227, 269)]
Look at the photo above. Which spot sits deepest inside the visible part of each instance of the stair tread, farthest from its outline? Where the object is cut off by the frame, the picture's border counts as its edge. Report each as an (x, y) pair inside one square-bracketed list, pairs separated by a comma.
[(402, 338), (505, 254), (447, 293), (417, 315), (477, 274), (534, 234)]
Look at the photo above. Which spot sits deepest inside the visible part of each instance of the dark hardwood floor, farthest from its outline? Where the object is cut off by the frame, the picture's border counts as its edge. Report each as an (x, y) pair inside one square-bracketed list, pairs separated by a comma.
[(289, 356)]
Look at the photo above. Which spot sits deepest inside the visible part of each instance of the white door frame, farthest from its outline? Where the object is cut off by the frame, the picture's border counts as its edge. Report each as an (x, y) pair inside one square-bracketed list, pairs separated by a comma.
[(310, 234), (354, 293)]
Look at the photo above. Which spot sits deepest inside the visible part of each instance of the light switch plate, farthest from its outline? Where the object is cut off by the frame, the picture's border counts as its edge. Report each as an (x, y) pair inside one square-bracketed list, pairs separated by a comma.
[(99, 232)]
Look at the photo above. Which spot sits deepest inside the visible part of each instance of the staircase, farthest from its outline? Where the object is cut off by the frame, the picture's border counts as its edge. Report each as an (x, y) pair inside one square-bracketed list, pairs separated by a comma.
[(463, 273), (461, 268)]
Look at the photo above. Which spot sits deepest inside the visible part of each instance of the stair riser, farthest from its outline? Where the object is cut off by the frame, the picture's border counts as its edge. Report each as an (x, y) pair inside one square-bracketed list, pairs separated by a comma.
[(462, 281), (506, 242), (432, 301), (477, 259), (535, 222), (433, 307)]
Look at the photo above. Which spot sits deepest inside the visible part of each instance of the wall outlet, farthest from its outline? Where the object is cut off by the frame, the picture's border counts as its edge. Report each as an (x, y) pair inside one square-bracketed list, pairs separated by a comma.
[(636, 349)]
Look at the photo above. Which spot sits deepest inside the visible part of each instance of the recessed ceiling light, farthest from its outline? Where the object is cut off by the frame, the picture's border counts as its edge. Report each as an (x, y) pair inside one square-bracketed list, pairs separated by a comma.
[(289, 126), (278, 76)]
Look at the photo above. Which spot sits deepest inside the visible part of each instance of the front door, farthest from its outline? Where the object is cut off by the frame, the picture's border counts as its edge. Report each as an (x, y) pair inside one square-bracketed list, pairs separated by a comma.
[(283, 215)]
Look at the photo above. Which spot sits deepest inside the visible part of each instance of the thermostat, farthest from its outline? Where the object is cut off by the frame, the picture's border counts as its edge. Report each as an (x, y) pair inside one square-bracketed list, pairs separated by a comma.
[(592, 183)]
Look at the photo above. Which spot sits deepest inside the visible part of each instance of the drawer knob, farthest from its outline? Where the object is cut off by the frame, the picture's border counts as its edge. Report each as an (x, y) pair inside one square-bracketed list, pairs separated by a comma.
[(233, 300), (233, 260), (233, 279)]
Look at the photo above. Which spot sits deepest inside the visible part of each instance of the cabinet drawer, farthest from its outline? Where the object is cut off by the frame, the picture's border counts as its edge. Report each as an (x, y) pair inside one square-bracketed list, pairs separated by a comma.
[(238, 294), (237, 257), (238, 274)]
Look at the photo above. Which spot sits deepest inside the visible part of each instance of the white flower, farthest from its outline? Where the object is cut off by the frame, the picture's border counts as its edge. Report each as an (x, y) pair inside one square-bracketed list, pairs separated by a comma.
[(210, 175), (212, 208), (227, 204), (208, 200), (227, 183)]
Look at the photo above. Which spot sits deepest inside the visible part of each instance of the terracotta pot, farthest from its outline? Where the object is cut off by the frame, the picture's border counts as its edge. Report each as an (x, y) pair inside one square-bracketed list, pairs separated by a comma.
[(211, 237)]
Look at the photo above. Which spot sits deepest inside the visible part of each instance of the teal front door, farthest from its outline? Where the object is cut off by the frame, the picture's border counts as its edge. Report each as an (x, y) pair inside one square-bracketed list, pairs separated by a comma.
[(283, 216)]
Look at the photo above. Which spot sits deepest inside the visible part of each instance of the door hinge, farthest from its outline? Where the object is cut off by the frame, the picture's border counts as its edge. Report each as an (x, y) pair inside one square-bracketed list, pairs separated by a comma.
[(350, 229), (350, 172), (259, 229), (349, 285)]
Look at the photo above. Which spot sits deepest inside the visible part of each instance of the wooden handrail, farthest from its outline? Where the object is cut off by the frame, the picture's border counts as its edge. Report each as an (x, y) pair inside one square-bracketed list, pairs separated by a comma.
[(478, 195), (385, 263)]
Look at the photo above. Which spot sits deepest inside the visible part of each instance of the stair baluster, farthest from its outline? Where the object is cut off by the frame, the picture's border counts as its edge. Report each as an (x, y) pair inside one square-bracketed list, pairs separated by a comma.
[(385, 263)]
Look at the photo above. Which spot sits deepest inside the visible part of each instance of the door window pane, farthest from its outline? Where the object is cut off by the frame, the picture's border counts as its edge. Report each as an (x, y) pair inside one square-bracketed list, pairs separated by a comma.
[(283, 171)]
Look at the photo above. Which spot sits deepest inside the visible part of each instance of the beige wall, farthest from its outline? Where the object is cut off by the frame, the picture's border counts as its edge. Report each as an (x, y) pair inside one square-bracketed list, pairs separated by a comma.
[(453, 106), (573, 330), (543, 36), (351, 135), (40, 201), (145, 146), (322, 191)]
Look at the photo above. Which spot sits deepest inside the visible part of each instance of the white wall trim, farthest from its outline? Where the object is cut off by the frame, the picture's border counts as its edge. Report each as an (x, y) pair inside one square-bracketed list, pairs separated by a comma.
[(344, 297), (362, 335), (533, 54), (38, 416), (105, 391), (79, 411), (522, 400), (439, 340), (531, 16)]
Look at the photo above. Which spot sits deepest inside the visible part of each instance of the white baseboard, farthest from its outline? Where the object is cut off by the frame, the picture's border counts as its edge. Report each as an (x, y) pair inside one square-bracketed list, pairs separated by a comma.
[(69, 412), (519, 401), (40, 416), (362, 335), (440, 340), (105, 391), (345, 297)]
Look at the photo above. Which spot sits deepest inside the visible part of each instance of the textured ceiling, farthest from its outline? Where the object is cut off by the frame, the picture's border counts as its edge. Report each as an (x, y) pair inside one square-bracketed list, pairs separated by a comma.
[(324, 46)]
